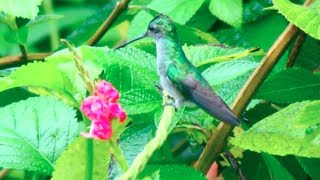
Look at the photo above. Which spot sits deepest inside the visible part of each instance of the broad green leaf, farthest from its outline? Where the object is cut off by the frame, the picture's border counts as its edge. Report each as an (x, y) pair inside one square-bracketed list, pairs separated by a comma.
[(34, 133), (138, 101), (73, 162), (130, 68), (203, 19), (229, 11), (32, 75), (282, 133), (179, 10), (289, 86), (25, 9), (263, 166), (172, 172), (57, 76), (310, 165), (309, 22)]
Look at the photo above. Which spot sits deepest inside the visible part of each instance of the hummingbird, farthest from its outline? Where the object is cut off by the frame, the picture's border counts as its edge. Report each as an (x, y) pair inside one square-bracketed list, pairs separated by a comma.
[(178, 76)]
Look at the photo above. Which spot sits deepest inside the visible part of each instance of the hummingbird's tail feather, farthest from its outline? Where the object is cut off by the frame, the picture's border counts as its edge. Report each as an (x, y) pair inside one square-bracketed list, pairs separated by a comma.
[(209, 101)]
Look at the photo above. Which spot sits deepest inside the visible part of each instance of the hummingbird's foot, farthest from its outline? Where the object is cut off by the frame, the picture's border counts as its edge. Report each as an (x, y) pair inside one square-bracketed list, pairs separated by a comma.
[(169, 101)]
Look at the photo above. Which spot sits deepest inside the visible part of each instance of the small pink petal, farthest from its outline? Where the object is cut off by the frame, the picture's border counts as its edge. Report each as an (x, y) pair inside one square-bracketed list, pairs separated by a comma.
[(99, 130), (106, 91)]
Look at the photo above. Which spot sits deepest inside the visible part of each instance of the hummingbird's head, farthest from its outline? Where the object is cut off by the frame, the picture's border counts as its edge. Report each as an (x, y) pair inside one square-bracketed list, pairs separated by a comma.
[(161, 26)]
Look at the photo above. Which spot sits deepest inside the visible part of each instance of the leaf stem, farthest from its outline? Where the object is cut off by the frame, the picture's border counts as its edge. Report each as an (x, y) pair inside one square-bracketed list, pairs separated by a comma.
[(89, 163), (218, 139), (54, 33), (161, 135), (121, 6), (116, 151)]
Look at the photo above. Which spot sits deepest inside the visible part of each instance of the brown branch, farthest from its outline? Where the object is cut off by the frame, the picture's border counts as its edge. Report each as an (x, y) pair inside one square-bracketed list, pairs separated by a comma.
[(295, 50), (218, 139), (17, 59), (23, 51), (120, 7)]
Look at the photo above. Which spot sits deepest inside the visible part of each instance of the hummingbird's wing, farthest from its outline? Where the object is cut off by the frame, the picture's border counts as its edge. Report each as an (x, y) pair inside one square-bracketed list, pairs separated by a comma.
[(199, 91)]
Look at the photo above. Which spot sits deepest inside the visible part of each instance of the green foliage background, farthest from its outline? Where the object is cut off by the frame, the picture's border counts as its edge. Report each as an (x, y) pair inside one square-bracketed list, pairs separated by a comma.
[(40, 121)]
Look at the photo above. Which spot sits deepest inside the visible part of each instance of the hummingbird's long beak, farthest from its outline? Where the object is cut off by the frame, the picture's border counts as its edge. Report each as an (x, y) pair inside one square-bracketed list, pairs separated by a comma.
[(133, 40)]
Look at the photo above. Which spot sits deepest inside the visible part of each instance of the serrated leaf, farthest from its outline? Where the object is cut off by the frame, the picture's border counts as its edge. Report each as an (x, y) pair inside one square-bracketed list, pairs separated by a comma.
[(130, 68), (179, 10), (72, 163), (25, 9), (34, 133), (309, 22), (281, 134), (57, 76), (229, 11), (289, 86), (138, 101), (172, 172)]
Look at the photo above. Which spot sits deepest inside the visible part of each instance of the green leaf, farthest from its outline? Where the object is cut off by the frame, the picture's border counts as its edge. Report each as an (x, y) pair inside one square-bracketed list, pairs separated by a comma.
[(34, 133), (289, 86), (309, 54), (203, 19), (309, 22), (138, 101), (263, 166), (130, 68), (19, 36), (310, 165), (25, 9), (283, 133), (43, 18), (15, 94), (61, 75), (229, 11), (172, 172), (72, 163), (179, 10)]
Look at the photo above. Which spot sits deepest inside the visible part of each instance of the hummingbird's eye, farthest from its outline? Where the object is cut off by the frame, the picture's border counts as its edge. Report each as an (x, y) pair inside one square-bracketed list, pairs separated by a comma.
[(153, 29)]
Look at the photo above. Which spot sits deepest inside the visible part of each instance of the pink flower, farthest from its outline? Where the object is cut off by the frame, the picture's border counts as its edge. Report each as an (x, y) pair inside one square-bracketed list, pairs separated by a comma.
[(99, 130), (106, 91), (101, 108), (95, 108)]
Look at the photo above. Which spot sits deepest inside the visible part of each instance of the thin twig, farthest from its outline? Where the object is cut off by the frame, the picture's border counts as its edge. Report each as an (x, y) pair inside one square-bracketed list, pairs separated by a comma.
[(295, 50), (121, 6), (218, 139), (16, 59)]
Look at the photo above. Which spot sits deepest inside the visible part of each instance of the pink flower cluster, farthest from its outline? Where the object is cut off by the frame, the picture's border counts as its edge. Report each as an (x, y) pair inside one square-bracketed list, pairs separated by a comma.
[(101, 108)]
